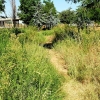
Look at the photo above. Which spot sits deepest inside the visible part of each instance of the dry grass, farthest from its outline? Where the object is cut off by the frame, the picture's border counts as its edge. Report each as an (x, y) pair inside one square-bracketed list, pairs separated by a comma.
[(78, 91), (83, 62)]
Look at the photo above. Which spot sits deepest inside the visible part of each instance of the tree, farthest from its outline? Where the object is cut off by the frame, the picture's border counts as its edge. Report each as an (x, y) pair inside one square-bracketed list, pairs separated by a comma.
[(91, 7), (27, 10), (51, 13), (93, 10), (48, 5), (41, 17), (95, 14), (38, 14), (87, 3), (82, 19), (2, 6), (67, 16)]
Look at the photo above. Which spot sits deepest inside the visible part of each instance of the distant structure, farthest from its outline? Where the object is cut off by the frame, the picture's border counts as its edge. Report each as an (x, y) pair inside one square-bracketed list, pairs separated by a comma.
[(8, 22)]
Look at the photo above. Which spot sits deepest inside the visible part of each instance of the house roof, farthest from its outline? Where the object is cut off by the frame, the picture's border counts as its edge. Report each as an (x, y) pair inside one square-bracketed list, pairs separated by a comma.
[(8, 19)]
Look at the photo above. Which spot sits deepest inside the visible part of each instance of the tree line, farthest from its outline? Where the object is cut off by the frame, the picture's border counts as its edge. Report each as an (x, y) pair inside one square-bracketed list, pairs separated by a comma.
[(35, 12)]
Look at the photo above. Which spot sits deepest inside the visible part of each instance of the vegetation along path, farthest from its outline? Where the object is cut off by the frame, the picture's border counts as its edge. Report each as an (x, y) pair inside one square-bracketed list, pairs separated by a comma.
[(69, 87), (60, 65)]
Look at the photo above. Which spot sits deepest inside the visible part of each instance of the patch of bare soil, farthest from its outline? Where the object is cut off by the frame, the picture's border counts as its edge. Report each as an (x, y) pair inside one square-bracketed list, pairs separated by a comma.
[(58, 62), (97, 28), (60, 65)]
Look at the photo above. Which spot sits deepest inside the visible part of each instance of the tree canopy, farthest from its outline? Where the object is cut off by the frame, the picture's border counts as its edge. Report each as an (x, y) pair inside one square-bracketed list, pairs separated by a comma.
[(48, 5), (37, 13), (91, 8), (2, 6), (95, 14), (27, 10), (67, 16), (87, 3)]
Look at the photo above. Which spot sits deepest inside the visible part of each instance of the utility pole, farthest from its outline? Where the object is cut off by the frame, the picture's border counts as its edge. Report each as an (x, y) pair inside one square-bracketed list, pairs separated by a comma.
[(13, 6)]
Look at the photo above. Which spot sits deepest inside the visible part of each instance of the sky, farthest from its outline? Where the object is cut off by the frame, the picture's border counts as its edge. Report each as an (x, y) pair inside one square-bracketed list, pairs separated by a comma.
[(59, 4), (63, 5)]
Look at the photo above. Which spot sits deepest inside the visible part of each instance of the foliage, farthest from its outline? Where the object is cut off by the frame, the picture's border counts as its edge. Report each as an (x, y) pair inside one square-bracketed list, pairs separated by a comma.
[(94, 14), (47, 6), (90, 3), (2, 6), (92, 8), (27, 10), (82, 62), (16, 31), (25, 72), (67, 16), (40, 16), (64, 32), (4, 40), (82, 19)]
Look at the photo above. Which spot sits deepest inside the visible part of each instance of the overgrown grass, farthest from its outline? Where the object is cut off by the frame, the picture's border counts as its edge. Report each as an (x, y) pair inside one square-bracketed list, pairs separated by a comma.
[(4, 40), (27, 74), (25, 71), (82, 60)]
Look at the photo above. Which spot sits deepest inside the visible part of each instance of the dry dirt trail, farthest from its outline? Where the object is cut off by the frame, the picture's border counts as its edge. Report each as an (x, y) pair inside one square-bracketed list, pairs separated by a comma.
[(58, 62), (60, 65), (71, 89)]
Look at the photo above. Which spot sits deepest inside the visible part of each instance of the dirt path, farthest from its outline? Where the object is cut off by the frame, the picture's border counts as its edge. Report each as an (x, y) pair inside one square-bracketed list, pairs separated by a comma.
[(70, 88), (55, 57), (58, 61), (60, 65)]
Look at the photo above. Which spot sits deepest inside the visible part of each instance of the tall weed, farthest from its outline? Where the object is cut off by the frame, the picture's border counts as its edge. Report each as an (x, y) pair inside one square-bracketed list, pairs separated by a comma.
[(82, 60), (4, 40), (26, 73)]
